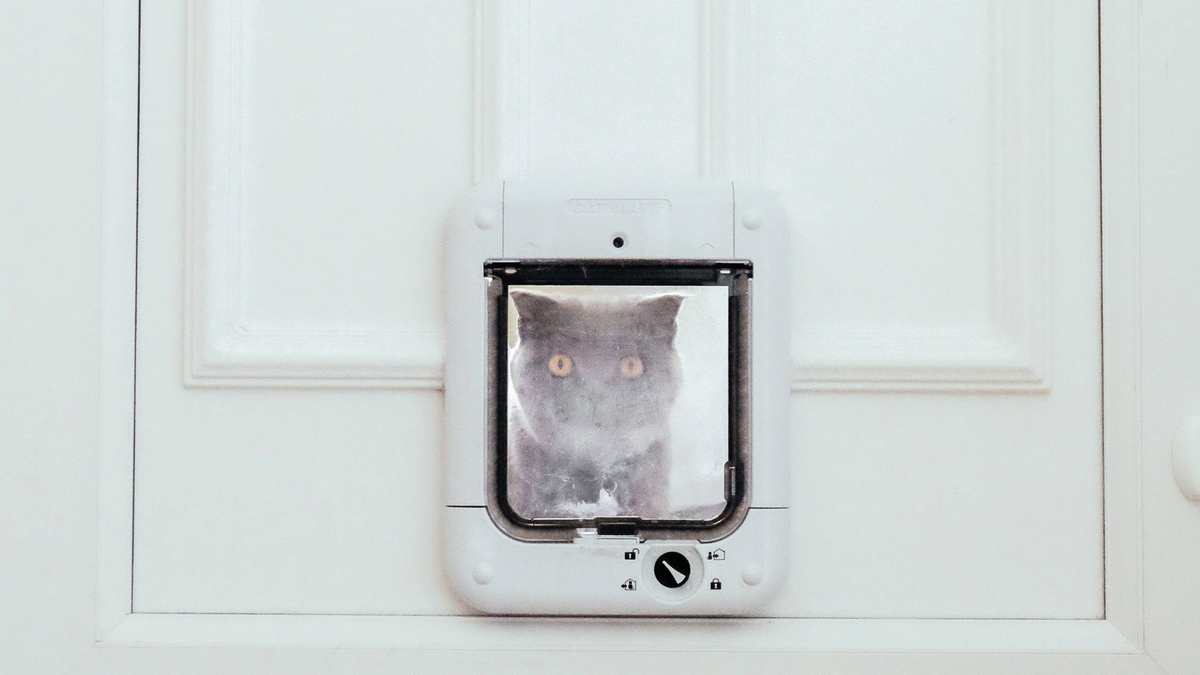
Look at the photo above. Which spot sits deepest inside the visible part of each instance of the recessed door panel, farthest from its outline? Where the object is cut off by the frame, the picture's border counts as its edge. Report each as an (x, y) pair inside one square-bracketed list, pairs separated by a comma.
[(939, 164)]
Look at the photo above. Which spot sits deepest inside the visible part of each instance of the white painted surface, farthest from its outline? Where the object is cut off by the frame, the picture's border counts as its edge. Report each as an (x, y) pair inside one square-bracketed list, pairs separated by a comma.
[(51, 206), (282, 469), (52, 69), (916, 142), (290, 277), (118, 255), (946, 229), (1170, 311)]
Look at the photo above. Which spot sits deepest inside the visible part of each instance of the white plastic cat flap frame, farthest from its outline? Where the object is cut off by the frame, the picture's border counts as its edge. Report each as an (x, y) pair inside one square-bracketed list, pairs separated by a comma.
[(617, 397)]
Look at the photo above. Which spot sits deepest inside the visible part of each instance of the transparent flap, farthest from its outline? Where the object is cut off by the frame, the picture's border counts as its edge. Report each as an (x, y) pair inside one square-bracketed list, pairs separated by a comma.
[(618, 401)]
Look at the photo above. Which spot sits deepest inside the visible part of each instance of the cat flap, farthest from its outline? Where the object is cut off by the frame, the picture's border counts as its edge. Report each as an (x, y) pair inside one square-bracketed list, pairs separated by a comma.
[(617, 393)]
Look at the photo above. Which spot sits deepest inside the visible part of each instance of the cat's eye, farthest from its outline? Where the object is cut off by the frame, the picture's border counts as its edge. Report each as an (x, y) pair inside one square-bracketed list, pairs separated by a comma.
[(560, 365), (631, 367)]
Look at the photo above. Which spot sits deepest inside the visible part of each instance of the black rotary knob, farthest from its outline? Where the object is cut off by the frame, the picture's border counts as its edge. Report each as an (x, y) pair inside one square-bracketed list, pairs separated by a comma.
[(672, 569)]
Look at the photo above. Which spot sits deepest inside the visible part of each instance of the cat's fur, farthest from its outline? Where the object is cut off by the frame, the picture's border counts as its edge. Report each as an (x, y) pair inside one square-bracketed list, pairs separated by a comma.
[(592, 443)]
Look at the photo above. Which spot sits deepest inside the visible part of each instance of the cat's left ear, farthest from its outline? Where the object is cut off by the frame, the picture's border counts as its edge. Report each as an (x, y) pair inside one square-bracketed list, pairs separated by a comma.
[(662, 309), (537, 313)]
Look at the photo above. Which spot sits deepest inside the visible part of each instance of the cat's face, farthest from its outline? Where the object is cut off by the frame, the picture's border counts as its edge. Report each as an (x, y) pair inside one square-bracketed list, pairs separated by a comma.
[(596, 376)]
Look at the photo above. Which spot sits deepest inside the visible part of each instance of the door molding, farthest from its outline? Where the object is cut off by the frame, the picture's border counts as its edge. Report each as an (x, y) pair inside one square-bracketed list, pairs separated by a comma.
[(1115, 643), (225, 349)]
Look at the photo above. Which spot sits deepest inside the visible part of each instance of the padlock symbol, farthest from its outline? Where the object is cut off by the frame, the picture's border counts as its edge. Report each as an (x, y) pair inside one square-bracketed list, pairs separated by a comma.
[(715, 584), (631, 555)]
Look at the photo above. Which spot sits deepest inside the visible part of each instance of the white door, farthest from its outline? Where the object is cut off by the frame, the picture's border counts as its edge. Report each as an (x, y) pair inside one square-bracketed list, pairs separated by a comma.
[(939, 161), (986, 381)]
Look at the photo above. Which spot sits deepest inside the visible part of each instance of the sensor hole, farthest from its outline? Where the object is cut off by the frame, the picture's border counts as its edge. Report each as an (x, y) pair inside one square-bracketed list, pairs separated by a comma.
[(618, 241)]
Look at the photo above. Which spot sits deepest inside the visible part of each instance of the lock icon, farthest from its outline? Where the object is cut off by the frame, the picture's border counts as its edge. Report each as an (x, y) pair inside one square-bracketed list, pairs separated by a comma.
[(715, 584), (631, 555)]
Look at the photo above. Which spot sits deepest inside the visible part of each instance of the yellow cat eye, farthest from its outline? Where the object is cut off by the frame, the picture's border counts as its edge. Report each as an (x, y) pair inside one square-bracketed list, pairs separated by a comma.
[(560, 365), (631, 367)]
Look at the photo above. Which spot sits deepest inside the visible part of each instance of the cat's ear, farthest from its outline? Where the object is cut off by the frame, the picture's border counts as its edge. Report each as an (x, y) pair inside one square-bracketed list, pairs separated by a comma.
[(661, 310), (533, 310)]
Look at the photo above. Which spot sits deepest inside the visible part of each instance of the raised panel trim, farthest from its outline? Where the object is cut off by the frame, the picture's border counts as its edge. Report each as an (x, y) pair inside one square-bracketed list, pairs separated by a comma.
[(220, 350), (1013, 356)]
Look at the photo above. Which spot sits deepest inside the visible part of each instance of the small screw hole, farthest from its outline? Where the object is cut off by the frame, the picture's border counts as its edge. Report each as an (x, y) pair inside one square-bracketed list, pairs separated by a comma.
[(618, 242)]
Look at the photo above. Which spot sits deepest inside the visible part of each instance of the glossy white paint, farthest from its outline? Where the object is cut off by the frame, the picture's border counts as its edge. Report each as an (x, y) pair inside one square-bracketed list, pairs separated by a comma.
[(859, 330), (946, 104), (52, 360), (935, 505), (264, 306), (1169, 210)]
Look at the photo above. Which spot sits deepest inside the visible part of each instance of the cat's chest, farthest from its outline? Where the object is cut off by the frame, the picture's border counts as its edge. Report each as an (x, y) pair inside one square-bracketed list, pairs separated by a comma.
[(605, 450)]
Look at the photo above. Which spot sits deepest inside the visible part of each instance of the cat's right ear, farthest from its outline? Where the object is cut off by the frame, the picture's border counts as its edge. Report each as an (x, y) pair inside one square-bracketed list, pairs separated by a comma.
[(534, 310)]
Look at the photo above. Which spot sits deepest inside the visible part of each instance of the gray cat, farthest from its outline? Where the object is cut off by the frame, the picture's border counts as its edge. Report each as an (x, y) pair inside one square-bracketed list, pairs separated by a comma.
[(593, 380)]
